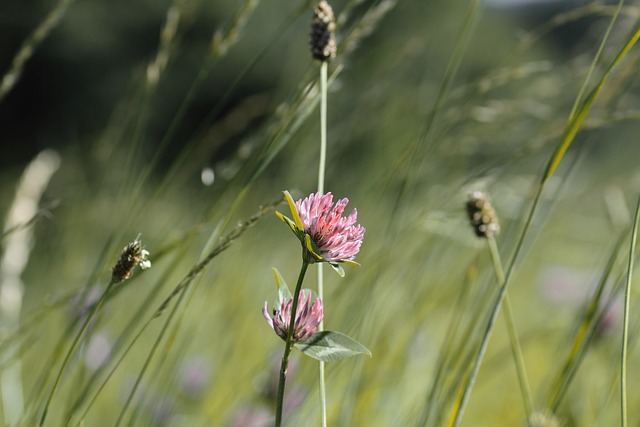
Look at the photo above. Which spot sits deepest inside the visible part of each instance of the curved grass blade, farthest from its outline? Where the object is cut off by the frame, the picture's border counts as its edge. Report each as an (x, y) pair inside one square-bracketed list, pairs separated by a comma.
[(576, 119)]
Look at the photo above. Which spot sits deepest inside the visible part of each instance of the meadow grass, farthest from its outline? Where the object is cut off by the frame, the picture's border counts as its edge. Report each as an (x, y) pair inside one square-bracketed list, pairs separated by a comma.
[(427, 102)]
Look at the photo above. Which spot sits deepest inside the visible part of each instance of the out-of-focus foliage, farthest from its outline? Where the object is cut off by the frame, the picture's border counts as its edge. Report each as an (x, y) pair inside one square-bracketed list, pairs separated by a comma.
[(428, 100)]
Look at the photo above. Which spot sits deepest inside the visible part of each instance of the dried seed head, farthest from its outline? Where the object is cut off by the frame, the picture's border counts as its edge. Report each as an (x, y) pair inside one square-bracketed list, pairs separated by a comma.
[(131, 255), (323, 27), (540, 419), (482, 216)]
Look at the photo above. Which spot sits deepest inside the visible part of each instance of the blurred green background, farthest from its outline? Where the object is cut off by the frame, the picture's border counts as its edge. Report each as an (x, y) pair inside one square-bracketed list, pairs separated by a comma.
[(428, 101)]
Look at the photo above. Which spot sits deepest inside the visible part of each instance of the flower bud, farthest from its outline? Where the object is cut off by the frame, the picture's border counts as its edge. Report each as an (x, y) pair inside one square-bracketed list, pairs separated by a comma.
[(131, 255), (482, 216), (323, 26)]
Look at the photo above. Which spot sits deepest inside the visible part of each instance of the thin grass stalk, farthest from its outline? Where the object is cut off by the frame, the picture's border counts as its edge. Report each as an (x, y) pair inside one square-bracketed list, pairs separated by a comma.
[(571, 16), (461, 402), (149, 358), (127, 331), (289, 342), (183, 286), (454, 325), (220, 46), (615, 380), (40, 384), (72, 348), (516, 347), (584, 334), (186, 296), (413, 153), (38, 391), (323, 126), (304, 105), (320, 279), (595, 59), (625, 323), (577, 118), (175, 166), (30, 45)]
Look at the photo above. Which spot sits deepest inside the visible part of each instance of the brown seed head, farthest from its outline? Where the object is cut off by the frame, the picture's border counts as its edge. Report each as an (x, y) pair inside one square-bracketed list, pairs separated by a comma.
[(323, 27), (482, 216), (131, 255)]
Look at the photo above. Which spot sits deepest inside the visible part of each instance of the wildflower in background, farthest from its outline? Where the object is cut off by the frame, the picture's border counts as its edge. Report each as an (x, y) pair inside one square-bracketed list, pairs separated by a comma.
[(252, 416), (267, 382), (610, 316), (82, 304), (482, 216), (195, 376), (308, 317), (98, 352), (132, 255), (320, 226), (323, 26)]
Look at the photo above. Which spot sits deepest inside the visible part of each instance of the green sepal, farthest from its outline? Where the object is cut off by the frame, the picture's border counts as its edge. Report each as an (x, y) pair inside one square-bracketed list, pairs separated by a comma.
[(312, 249), (294, 211), (287, 221), (350, 262), (331, 346)]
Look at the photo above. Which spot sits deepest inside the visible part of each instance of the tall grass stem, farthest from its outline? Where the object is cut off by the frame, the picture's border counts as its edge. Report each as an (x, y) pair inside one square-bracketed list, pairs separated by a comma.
[(72, 348), (30, 45), (323, 126), (320, 279), (625, 323), (516, 347), (592, 67), (461, 401)]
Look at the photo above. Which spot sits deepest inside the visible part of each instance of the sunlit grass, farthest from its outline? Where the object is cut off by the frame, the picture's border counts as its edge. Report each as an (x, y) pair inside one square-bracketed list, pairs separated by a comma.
[(426, 104)]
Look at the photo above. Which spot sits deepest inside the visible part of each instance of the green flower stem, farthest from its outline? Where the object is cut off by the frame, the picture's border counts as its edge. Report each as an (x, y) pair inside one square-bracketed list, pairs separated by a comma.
[(289, 341), (321, 168), (74, 344), (516, 348), (625, 324), (321, 383)]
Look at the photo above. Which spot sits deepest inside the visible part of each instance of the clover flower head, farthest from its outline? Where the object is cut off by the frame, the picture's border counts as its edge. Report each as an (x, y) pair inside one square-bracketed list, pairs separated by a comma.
[(324, 232), (308, 316)]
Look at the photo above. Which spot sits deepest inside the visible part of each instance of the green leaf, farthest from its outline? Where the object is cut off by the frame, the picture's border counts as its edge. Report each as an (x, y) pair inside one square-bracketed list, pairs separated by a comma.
[(283, 290), (330, 346), (337, 268)]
